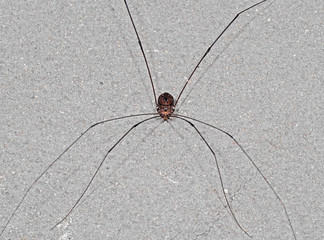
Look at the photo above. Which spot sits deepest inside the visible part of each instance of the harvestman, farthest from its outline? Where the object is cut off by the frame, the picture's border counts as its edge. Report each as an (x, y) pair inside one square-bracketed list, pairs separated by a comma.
[(165, 106)]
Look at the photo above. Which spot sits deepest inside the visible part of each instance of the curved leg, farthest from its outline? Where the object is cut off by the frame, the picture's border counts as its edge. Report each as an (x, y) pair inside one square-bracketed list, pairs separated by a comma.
[(50, 165), (98, 168), (253, 163), (219, 174)]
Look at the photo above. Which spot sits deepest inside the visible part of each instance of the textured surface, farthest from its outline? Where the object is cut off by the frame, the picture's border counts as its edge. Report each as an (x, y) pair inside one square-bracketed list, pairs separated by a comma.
[(67, 64)]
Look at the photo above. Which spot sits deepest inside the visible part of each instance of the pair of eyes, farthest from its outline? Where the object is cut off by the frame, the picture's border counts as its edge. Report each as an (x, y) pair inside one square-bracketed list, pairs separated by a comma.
[(166, 101)]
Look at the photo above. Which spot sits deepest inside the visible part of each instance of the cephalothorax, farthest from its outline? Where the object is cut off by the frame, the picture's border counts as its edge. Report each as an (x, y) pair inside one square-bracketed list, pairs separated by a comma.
[(165, 106)]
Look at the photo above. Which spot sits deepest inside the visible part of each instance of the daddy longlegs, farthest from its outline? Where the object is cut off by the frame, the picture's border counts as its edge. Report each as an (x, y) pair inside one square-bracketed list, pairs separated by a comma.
[(165, 106)]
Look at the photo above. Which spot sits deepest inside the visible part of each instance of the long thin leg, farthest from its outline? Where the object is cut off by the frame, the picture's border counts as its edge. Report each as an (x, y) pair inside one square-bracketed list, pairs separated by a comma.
[(205, 54), (49, 166), (253, 163), (219, 173), (140, 44), (103, 160)]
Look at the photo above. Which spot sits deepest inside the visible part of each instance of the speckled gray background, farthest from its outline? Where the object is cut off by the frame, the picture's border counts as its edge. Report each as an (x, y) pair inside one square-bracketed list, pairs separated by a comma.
[(67, 64)]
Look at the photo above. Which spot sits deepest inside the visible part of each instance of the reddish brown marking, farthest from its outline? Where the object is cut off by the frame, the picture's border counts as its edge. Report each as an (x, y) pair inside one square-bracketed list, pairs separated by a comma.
[(165, 105)]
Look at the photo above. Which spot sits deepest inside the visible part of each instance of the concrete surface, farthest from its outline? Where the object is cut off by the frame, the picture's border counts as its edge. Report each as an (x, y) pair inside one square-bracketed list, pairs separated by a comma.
[(68, 64)]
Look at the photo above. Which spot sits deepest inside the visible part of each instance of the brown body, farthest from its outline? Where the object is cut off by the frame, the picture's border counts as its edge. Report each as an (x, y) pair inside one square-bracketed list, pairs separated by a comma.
[(165, 105)]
